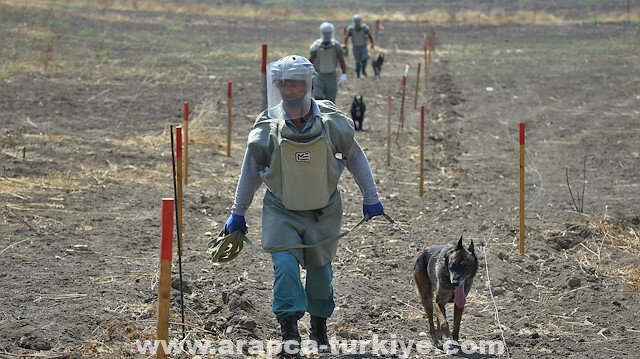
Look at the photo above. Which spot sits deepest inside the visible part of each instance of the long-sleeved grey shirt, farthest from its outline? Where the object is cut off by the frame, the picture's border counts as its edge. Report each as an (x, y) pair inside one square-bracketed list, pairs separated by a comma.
[(357, 164)]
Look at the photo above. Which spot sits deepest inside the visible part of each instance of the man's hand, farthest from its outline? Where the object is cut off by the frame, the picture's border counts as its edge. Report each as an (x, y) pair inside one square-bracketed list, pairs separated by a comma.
[(373, 210), (234, 223), (372, 45), (343, 79)]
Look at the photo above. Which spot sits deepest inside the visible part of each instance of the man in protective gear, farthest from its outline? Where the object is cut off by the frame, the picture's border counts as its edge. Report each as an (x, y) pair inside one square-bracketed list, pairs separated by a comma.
[(359, 32), (299, 147), (325, 54)]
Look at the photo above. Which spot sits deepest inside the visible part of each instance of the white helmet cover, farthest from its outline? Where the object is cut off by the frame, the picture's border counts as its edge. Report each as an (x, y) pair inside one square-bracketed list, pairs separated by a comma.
[(326, 31), (293, 67)]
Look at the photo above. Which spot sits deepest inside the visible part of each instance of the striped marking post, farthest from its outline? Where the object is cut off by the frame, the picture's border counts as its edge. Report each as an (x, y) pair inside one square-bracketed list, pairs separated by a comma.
[(415, 99), (164, 287), (179, 182), (263, 68), (186, 141), (522, 153), (404, 86), (421, 151), (229, 103), (389, 131), (426, 65)]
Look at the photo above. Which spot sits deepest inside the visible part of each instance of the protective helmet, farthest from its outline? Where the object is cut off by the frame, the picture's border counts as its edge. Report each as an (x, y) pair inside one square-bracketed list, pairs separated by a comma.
[(326, 31), (293, 67), (357, 17)]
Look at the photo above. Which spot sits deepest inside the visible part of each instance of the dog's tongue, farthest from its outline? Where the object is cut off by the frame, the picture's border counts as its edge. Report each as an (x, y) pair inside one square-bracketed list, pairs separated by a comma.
[(459, 297)]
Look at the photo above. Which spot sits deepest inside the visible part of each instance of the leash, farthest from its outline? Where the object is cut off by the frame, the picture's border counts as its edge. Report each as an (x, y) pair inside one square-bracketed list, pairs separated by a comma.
[(227, 246), (404, 231)]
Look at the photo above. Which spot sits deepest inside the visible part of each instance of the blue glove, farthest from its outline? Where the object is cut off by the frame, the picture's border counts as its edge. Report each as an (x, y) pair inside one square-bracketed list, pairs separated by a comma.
[(235, 222), (373, 210)]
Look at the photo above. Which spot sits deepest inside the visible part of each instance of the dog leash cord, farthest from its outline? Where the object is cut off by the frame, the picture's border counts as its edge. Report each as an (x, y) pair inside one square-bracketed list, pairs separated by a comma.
[(404, 231)]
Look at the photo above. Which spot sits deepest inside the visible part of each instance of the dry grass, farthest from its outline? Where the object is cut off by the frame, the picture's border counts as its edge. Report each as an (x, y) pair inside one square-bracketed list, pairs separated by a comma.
[(437, 16), (616, 233), (599, 239)]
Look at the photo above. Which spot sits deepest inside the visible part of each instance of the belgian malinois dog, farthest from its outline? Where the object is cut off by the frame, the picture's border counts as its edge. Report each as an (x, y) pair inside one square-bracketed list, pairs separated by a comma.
[(357, 112), (445, 272)]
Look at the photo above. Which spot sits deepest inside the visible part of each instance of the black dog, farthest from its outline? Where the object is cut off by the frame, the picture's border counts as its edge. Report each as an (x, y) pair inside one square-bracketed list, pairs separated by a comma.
[(446, 272), (357, 112), (376, 63)]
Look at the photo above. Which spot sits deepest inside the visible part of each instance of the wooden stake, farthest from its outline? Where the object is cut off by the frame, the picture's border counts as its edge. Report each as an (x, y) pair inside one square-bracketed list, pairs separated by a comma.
[(415, 99), (522, 152), (389, 131), (421, 151), (164, 287), (404, 87), (426, 65), (432, 44), (264, 76), (229, 101), (179, 182), (186, 141)]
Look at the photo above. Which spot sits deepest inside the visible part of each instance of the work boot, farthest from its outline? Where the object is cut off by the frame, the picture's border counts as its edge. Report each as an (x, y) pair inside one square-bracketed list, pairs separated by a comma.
[(364, 72), (290, 338), (318, 333)]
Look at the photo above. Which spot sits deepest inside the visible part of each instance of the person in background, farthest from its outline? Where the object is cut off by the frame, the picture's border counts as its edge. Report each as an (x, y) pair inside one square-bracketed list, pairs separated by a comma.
[(299, 148), (358, 32), (325, 54)]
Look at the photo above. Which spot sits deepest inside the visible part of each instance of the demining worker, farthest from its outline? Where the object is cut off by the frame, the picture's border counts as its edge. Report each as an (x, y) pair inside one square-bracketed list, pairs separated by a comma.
[(326, 54), (299, 147), (359, 32)]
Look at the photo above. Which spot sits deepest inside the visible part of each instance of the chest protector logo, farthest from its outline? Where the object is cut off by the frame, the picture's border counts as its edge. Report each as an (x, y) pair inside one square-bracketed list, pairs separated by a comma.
[(303, 156), (305, 182)]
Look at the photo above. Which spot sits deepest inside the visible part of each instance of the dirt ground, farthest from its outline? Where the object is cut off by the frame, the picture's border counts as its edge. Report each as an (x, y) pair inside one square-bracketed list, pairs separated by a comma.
[(86, 159)]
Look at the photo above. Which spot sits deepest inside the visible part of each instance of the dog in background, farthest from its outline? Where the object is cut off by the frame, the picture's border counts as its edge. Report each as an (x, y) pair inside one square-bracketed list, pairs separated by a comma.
[(376, 63), (444, 274), (357, 112)]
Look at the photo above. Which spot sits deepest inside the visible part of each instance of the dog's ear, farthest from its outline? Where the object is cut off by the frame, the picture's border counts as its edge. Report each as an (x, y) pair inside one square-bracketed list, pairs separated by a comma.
[(460, 247), (472, 248)]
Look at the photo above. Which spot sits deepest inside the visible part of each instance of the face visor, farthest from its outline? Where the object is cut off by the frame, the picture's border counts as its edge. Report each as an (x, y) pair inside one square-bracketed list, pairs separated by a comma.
[(326, 31), (289, 85)]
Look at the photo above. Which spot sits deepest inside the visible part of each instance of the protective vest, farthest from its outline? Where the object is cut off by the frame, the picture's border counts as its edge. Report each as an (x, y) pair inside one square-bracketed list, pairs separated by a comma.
[(303, 170), (359, 38), (327, 59)]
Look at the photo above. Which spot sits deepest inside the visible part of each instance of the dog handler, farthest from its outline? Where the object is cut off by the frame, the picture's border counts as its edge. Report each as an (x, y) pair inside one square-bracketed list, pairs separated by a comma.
[(325, 54), (299, 147), (359, 32)]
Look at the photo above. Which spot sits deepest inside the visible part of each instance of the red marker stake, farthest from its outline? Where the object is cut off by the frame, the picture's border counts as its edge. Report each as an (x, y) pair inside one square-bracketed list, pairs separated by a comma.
[(229, 102), (522, 152), (421, 151), (404, 87), (263, 68), (185, 125), (164, 287), (178, 228), (389, 131), (179, 182), (415, 99)]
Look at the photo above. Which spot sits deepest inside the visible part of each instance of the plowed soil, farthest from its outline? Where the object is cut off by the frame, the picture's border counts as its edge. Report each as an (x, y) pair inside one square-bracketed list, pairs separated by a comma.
[(87, 96)]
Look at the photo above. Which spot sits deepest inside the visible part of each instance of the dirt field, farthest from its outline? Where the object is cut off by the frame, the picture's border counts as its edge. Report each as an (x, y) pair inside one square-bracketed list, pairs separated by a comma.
[(87, 96)]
